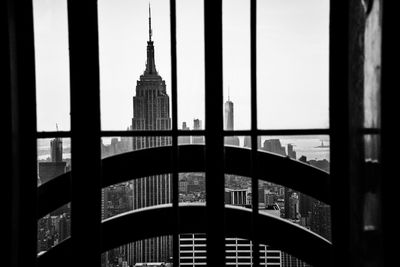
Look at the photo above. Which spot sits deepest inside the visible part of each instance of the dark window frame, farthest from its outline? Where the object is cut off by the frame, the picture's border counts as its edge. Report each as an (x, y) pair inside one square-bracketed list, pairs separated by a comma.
[(84, 89)]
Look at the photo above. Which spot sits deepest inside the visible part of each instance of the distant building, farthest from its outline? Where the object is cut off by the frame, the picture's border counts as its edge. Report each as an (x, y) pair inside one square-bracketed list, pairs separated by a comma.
[(274, 146), (237, 197), (56, 226), (247, 142), (184, 140), (56, 150), (150, 112), (197, 126), (56, 166), (229, 124), (290, 151), (228, 116), (320, 221)]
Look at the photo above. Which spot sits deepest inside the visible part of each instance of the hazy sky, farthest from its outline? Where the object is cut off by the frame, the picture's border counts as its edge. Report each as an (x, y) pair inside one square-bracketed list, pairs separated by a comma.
[(292, 60)]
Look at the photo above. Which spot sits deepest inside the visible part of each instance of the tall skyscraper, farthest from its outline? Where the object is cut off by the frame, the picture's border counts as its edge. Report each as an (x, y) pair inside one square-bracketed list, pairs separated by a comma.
[(228, 124), (197, 126), (56, 166), (151, 112), (228, 115), (56, 150)]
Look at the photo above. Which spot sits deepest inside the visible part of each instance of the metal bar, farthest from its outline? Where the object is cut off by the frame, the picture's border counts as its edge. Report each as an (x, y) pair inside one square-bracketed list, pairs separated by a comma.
[(282, 132), (278, 132), (338, 120), (62, 134), (215, 181), (175, 176), (85, 132), (152, 133), (23, 179), (6, 160), (254, 143)]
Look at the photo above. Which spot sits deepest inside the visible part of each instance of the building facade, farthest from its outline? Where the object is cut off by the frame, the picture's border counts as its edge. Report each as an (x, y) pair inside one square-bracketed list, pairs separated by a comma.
[(151, 112)]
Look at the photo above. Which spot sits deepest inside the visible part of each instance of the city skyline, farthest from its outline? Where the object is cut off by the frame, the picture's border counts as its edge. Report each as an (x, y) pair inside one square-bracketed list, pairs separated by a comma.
[(122, 30), (151, 111)]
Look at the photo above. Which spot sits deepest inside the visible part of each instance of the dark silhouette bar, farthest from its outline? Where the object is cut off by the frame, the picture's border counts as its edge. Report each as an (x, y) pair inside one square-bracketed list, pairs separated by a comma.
[(85, 132)]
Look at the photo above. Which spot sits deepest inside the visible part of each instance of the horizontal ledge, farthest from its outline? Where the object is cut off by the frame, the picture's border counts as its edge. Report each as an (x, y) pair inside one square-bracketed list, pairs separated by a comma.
[(128, 133), (133, 165), (120, 230)]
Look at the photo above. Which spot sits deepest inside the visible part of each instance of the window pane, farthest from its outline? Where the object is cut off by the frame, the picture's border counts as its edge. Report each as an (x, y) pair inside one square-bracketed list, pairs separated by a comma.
[(238, 191), (372, 67), (236, 62), (192, 249), (111, 146), (313, 149), (238, 141), (51, 64), (190, 62), (54, 158), (54, 228), (192, 187), (134, 84), (296, 207), (293, 64), (140, 253)]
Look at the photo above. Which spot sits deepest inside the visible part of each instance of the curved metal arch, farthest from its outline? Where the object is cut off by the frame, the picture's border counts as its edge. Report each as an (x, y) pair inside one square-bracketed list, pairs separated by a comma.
[(158, 221), (132, 165)]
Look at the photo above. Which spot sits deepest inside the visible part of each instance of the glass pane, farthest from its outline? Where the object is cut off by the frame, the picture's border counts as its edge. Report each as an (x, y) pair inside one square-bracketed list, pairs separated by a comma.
[(54, 228), (372, 147), (54, 158), (238, 141), (190, 61), (111, 146), (192, 187), (293, 64), (51, 64), (290, 204), (313, 149), (136, 194), (236, 62), (238, 191), (127, 71), (295, 206), (239, 252), (372, 67), (155, 251), (192, 249)]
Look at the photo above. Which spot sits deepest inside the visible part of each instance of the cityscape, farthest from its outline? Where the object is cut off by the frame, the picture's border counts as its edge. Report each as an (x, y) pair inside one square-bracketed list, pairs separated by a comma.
[(151, 111)]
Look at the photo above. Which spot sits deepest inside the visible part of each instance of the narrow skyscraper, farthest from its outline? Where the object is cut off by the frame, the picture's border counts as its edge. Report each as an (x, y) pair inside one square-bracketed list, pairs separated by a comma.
[(228, 115), (151, 112), (228, 124)]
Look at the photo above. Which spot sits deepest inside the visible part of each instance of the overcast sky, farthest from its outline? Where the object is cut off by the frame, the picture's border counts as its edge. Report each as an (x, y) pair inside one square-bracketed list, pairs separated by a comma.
[(292, 49)]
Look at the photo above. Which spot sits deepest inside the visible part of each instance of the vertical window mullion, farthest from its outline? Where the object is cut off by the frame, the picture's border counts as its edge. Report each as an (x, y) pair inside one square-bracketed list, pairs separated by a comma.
[(20, 177), (174, 95), (339, 124), (85, 132), (254, 137), (215, 181)]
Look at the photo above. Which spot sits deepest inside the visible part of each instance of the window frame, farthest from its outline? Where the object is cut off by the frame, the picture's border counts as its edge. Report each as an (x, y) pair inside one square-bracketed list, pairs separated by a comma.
[(83, 38)]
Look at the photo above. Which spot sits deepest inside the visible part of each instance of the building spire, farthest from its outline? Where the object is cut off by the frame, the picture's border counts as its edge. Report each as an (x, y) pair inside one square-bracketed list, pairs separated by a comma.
[(150, 63), (150, 31)]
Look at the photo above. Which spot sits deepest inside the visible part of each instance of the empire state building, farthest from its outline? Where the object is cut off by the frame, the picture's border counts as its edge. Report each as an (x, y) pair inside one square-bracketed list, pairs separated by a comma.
[(151, 103), (151, 112)]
